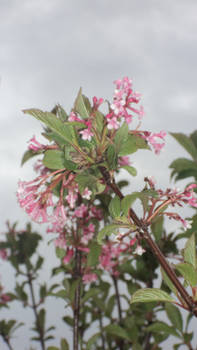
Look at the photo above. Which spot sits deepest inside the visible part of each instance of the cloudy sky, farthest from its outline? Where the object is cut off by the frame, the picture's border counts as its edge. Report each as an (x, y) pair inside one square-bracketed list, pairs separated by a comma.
[(49, 48)]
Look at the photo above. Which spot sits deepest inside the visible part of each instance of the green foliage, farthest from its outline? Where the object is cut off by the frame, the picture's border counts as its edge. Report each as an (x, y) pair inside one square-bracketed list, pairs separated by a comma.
[(151, 294)]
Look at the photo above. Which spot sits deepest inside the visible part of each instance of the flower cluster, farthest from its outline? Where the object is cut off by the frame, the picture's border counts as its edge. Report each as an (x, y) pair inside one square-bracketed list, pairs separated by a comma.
[(122, 106)]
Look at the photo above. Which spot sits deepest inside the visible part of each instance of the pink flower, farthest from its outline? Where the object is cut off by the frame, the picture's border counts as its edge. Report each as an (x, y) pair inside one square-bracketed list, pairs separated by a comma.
[(152, 139), (60, 242), (5, 298), (124, 160), (89, 277), (81, 211), (97, 102), (3, 254), (86, 193), (69, 255), (139, 250), (34, 145), (71, 198), (86, 134), (113, 123)]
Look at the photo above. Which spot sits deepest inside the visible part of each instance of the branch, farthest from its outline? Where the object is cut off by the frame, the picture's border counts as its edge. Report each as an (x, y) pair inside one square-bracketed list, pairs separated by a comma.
[(143, 231)]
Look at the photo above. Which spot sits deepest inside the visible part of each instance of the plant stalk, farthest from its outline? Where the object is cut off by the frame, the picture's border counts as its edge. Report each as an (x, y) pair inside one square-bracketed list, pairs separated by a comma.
[(76, 308), (34, 306)]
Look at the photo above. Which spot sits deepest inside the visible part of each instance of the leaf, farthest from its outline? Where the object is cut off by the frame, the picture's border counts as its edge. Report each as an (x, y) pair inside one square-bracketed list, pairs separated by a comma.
[(151, 294), (131, 170), (121, 137), (28, 155), (161, 327), (52, 348), (193, 137), (157, 227), (132, 144), (64, 344), (112, 157), (107, 231), (115, 207), (80, 105), (92, 341), (54, 159), (174, 316), (117, 331), (168, 282), (90, 294), (49, 119), (94, 253), (127, 201), (187, 143), (189, 251), (188, 272)]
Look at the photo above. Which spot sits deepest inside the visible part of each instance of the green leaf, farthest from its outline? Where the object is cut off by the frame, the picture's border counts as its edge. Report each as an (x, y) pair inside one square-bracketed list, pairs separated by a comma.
[(81, 106), (121, 137), (52, 348), (99, 121), (147, 295), (187, 143), (161, 327), (49, 119), (60, 252), (127, 201), (28, 155), (132, 144), (189, 251), (90, 294), (117, 331), (94, 253), (168, 282), (157, 227), (107, 231), (188, 272), (64, 344), (174, 316), (115, 207), (54, 159), (112, 157), (131, 170), (193, 137), (92, 341)]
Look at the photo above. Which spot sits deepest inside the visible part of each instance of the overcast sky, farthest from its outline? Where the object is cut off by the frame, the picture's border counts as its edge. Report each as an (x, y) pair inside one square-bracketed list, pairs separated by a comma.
[(49, 48)]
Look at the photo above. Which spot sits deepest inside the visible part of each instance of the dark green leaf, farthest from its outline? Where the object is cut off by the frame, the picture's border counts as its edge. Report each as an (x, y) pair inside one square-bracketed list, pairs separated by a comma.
[(117, 331), (94, 253), (162, 327), (92, 341), (121, 137), (28, 155)]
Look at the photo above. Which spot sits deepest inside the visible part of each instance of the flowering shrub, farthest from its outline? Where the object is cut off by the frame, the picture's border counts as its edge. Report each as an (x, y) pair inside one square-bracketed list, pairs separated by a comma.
[(76, 194)]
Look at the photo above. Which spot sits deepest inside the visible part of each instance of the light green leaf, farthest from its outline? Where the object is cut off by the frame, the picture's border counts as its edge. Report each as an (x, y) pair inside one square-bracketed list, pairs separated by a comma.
[(80, 105), (174, 316), (151, 294), (52, 348), (114, 207), (54, 159), (188, 272), (131, 170), (187, 143), (117, 331), (189, 251), (107, 231), (157, 227)]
